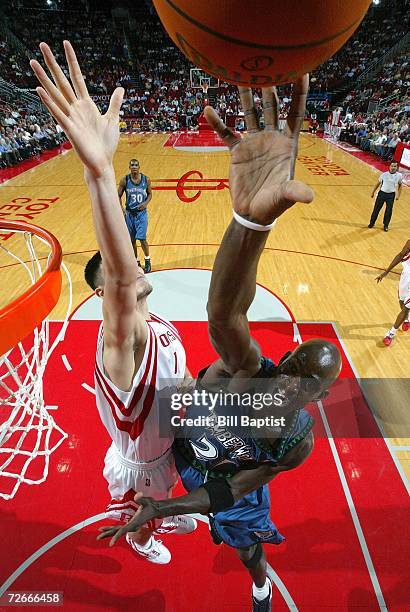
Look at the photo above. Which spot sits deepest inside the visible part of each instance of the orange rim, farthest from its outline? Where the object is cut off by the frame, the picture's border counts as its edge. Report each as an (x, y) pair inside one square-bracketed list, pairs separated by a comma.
[(26, 312)]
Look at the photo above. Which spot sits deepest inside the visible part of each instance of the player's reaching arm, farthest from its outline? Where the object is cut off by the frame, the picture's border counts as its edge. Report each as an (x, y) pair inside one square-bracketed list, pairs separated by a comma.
[(399, 257), (214, 496), (95, 139), (262, 189)]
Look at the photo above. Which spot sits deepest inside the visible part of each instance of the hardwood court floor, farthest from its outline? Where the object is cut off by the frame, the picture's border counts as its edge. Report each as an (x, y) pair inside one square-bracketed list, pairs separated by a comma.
[(321, 259)]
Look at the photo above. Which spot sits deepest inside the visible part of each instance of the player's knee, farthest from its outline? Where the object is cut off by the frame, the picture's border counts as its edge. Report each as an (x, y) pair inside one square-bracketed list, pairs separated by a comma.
[(251, 556)]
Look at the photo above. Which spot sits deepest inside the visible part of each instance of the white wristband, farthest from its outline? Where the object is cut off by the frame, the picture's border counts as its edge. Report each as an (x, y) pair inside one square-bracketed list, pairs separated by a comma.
[(250, 224)]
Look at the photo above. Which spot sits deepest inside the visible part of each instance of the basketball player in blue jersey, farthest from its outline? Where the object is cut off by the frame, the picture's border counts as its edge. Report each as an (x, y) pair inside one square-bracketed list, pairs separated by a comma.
[(225, 470), (138, 194)]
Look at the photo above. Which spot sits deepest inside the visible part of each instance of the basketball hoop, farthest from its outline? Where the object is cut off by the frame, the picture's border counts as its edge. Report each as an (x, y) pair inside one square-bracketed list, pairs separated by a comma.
[(27, 431)]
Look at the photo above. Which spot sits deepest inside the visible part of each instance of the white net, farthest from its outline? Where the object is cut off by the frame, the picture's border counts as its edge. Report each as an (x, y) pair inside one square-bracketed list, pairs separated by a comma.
[(28, 432)]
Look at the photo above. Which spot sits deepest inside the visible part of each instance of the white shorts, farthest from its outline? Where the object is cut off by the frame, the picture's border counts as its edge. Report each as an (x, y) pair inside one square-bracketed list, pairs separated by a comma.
[(125, 478), (404, 289)]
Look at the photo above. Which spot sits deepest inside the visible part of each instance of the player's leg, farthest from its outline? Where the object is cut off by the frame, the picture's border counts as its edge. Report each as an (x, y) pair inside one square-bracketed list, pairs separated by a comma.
[(402, 319), (130, 221), (124, 480), (253, 558), (388, 212), (376, 209), (406, 304), (145, 248), (141, 235)]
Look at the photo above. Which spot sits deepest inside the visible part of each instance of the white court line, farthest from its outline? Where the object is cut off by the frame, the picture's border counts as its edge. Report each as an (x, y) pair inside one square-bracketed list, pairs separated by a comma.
[(99, 517), (296, 334), (350, 503), (389, 445), (88, 388), (353, 512), (400, 448), (66, 363), (43, 549)]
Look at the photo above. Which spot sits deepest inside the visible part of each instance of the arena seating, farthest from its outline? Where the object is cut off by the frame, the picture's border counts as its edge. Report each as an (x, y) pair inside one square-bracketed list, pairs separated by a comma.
[(137, 54)]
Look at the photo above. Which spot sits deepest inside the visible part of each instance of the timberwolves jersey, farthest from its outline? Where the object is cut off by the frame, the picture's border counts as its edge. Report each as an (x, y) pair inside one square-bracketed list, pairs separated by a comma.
[(137, 194), (215, 450)]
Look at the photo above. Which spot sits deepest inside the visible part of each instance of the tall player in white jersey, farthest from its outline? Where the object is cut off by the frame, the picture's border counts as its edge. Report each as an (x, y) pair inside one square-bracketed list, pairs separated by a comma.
[(403, 318), (137, 353)]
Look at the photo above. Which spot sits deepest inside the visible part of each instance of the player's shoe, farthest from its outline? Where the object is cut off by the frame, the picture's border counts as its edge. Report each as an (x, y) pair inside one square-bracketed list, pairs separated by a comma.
[(265, 605), (156, 553), (178, 524), (387, 340), (406, 326), (147, 267)]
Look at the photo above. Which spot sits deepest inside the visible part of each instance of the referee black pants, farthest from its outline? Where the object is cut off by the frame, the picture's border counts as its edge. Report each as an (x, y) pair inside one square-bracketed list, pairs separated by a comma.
[(383, 198)]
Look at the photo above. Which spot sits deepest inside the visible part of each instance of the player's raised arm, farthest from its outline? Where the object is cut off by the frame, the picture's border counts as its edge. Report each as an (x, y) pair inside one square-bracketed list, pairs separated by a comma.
[(95, 139), (262, 189)]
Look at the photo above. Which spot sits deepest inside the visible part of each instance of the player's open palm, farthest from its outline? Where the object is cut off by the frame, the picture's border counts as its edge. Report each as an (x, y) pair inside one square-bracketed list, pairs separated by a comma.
[(93, 136), (263, 163)]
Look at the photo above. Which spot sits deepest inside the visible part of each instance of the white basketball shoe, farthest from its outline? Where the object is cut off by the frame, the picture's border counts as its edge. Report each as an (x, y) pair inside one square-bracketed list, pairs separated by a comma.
[(155, 552), (178, 524)]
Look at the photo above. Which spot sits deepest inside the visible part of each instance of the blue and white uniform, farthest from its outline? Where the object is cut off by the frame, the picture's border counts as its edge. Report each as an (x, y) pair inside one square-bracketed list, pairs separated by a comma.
[(136, 195), (217, 452)]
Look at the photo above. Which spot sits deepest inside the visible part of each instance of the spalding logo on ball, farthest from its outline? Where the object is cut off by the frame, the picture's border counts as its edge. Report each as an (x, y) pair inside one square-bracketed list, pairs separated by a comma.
[(260, 43)]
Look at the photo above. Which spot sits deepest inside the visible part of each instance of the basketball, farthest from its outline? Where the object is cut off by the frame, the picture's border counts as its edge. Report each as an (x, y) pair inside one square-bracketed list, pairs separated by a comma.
[(260, 43)]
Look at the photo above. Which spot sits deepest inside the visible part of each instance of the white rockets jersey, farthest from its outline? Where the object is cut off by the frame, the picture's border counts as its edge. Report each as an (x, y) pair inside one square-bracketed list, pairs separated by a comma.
[(132, 417), (404, 283), (405, 262)]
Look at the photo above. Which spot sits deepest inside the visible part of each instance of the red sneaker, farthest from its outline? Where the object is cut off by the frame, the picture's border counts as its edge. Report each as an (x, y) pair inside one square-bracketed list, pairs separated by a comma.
[(406, 326), (387, 340)]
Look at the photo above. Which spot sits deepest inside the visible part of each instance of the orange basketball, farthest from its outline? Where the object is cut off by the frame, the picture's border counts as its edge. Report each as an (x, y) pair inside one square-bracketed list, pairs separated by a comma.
[(263, 42)]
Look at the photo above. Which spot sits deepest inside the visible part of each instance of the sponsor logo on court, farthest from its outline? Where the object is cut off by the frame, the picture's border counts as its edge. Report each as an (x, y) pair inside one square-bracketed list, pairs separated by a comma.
[(188, 188), (320, 165), (24, 210)]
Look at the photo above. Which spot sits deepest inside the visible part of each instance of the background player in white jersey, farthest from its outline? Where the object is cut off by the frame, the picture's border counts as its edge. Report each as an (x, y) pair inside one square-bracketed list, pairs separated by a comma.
[(137, 353), (137, 187), (403, 317)]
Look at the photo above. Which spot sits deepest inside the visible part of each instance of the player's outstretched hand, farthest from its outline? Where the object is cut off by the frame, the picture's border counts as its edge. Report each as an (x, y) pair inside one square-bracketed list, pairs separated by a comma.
[(263, 162), (381, 277), (147, 511), (93, 136)]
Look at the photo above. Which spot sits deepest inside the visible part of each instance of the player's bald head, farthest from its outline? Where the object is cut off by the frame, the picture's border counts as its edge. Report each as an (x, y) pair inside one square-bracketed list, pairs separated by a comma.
[(306, 374), (319, 358)]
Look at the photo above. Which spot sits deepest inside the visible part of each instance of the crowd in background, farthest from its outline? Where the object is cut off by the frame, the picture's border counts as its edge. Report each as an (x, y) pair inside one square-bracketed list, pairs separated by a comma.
[(378, 133), (156, 76), (25, 133)]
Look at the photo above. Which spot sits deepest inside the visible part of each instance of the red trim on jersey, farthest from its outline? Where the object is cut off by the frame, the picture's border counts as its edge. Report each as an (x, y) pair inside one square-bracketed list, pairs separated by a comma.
[(133, 428), (406, 257), (138, 424), (168, 325), (138, 391), (406, 302)]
